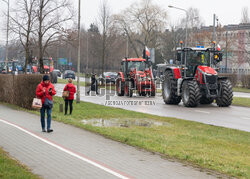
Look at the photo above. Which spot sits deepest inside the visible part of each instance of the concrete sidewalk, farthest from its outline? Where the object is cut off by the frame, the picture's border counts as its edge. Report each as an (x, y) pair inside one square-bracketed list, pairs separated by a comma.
[(70, 152)]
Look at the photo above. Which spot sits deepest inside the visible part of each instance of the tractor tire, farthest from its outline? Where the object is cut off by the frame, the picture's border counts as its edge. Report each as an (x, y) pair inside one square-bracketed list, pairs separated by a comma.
[(169, 89), (226, 94), (119, 87), (205, 100), (128, 89), (190, 93)]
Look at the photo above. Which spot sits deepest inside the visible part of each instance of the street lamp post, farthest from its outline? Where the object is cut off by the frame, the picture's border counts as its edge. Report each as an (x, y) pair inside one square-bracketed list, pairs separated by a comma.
[(186, 21), (7, 33), (79, 54), (185, 33)]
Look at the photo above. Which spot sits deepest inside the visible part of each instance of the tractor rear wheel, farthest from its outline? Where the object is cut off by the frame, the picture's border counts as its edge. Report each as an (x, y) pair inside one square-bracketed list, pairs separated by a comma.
[(205, 100), (190, 93), (119, 87), (128, 89), (226, 93), (169, 89)]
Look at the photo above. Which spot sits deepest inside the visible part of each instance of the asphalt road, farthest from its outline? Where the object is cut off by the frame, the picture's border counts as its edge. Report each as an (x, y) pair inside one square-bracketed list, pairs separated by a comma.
[(230, 117)]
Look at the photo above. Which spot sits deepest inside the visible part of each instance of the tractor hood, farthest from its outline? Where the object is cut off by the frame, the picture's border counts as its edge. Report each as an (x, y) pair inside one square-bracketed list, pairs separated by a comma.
[(207, 70)]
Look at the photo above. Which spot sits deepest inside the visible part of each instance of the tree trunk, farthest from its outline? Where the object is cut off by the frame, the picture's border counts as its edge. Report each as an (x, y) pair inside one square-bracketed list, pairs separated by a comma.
[(27, 55)]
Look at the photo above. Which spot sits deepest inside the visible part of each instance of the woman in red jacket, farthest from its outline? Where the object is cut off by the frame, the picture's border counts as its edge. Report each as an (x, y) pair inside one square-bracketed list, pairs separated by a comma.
[(72, 90), (46, 90)]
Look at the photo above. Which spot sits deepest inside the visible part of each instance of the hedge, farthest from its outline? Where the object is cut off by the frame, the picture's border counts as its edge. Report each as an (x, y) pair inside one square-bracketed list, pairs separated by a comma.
[(245, 81), (233, 77), (19, 89)]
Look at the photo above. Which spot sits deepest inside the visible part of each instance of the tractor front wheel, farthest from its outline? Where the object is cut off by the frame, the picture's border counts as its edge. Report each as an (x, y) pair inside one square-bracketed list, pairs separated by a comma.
[(226, 94), (128, 89), (119, 87), (190, 93)]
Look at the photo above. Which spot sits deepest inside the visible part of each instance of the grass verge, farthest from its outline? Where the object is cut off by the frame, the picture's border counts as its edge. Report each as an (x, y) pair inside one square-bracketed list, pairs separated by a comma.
[(238, 101), (217, 148), (65, 81), (238, 89), (10, 168)]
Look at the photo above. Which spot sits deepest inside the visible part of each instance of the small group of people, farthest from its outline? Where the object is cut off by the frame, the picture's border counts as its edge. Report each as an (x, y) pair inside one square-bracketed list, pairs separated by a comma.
[(45, 91)]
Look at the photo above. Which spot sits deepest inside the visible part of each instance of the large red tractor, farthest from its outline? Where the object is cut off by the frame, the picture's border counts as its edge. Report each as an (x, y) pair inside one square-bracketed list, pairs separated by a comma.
[(194, 81), (135, 75)]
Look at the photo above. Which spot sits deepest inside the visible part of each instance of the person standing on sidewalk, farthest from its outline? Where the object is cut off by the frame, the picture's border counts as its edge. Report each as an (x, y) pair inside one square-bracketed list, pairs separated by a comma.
[(69, 100), (45, 91)]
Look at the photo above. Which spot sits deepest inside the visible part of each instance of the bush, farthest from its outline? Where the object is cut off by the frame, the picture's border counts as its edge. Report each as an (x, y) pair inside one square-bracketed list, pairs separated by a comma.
[(245, 81), (19, 89), (231, 76)]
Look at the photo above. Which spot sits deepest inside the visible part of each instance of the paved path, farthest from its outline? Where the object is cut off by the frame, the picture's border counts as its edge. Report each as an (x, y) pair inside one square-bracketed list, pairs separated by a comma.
[(231, 117), (71, 152)]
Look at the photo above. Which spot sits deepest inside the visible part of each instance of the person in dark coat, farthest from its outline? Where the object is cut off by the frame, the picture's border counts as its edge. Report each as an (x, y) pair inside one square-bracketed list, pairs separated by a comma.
[(94, 84), (69, 101), (45, 90)]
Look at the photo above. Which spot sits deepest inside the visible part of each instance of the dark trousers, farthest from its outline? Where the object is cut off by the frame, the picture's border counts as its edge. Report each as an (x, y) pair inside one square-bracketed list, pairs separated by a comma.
[(70, 102), (93, 87), (42, 111)]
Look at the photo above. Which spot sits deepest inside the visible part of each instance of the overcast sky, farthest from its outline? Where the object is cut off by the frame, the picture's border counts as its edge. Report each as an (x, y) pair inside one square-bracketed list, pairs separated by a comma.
[(228, 11)]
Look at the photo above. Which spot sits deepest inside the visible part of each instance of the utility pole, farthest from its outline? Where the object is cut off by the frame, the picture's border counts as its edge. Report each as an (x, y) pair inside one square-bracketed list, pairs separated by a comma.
[(7, 32), (226, 47), (79, 53), (214, 27), (127, 47), (87, 70)]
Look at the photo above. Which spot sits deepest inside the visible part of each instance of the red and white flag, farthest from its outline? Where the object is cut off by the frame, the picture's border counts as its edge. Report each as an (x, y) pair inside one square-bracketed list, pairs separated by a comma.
[(218, 47), (147, 51)]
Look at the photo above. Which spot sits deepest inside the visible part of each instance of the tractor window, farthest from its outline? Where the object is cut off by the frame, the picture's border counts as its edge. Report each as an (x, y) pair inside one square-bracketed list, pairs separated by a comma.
[(139, 65), (196, 58)]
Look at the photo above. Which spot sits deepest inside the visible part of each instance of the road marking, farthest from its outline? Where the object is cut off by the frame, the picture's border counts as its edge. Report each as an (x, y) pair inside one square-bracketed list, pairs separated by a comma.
[(248, 118), (202, 111), (79, 156)]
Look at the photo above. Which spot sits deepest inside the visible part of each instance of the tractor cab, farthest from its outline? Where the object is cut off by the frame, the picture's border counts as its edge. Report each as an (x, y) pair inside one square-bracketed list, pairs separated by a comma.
[(131, 64), (192, 58)]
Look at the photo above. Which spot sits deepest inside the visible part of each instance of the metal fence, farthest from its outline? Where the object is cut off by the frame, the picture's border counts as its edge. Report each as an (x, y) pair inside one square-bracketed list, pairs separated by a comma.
[(239, 71)]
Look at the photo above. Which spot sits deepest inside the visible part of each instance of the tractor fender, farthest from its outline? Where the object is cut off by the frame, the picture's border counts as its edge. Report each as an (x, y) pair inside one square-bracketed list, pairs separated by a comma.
[(175, 71), (122, 76)]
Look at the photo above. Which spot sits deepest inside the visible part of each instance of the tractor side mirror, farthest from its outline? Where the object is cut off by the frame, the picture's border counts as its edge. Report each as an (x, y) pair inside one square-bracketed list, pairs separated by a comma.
[(178, 56), (218, 57)]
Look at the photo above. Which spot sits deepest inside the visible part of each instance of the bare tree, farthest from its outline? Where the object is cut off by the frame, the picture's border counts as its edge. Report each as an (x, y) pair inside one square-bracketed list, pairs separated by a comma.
[(245, 17), (50, 23), (23, 25), (143, 22), (105, 21)]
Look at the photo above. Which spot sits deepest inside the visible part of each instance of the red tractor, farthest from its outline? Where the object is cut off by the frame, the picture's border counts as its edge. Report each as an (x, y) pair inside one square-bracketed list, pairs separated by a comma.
[(136, 74), (194, 81)]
